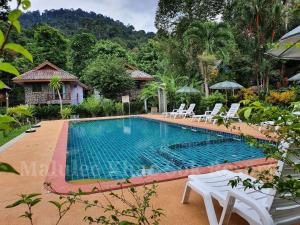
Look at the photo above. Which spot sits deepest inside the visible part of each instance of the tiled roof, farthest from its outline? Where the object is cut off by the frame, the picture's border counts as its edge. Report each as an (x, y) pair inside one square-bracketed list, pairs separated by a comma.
[(44, 72), (138, 74)]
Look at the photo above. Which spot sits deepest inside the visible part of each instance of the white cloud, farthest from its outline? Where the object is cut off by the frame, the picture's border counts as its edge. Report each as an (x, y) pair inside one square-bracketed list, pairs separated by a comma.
[(139, 13)]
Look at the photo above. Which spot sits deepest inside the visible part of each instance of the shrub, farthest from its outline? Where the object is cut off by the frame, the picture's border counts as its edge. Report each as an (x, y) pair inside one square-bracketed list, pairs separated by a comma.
[(281, 97), (20, 113), (119, 108), (212, 99), (136, 107), (246, 94), (66, 112), (107, 107), (46, 111), (92, 105)]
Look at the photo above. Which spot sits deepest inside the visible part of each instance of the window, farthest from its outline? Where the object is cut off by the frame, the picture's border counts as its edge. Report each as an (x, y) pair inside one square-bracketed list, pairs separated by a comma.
[(36, 88), (138, 85)]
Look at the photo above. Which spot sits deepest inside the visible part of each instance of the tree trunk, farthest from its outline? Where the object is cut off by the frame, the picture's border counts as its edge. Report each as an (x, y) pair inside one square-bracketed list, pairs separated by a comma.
[(203, 70), (267, 83), (60, 103)]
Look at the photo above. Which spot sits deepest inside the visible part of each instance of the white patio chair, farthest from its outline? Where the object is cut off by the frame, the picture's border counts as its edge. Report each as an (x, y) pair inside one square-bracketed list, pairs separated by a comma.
[(263, 207), (185, 113), (181, 108), (231, 114), (209, 114)]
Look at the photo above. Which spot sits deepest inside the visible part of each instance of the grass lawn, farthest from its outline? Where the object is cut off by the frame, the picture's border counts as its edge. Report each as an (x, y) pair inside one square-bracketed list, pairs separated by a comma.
[(12, 134)]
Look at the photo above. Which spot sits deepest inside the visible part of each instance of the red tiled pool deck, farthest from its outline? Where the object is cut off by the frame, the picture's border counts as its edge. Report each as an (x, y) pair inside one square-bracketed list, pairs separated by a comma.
[(41, 157)]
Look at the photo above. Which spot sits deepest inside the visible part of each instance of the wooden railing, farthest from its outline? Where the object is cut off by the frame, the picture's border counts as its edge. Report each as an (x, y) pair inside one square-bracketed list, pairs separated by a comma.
[(65, 96)]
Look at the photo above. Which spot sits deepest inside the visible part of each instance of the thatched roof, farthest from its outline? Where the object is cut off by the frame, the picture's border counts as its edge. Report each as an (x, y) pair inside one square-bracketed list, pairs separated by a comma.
[(44, 72), (138, 74)]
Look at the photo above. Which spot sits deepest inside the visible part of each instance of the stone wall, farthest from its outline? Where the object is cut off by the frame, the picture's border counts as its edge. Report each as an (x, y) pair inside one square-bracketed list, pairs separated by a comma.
[(35, 98)]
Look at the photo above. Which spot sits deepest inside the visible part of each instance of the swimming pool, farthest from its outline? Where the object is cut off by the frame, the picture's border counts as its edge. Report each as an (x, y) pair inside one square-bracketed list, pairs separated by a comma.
[(130, 147)]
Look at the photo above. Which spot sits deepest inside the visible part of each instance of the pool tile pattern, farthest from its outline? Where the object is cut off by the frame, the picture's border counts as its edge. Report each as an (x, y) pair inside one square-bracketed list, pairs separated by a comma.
[(133, 147)]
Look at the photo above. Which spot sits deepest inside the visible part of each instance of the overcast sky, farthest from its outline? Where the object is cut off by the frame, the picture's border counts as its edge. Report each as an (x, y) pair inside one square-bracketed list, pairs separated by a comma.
[(139, 13)]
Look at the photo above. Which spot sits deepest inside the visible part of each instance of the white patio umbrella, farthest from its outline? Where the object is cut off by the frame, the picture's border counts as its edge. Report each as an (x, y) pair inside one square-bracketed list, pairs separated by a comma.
[(188, 90), (295, 77), (226, 85), (288, 46)]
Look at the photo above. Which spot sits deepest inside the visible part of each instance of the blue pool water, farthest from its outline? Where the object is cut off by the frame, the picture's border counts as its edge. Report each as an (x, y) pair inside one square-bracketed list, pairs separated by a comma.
[(123, 148)]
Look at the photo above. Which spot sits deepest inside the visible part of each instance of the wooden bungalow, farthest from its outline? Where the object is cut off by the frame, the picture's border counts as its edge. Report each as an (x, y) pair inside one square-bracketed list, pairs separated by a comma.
[(37, 90)]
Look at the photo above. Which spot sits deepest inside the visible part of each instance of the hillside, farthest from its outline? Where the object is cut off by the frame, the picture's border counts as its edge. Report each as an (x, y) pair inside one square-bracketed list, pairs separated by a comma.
[(71, 22)]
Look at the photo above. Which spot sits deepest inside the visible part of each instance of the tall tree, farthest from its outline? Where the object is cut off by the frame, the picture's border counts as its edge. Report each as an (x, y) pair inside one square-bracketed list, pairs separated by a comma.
[(171, 12), (148, 57), (257, 23), (108, 75), (206, 41), (81, 47), (106, 48), (49, 44)]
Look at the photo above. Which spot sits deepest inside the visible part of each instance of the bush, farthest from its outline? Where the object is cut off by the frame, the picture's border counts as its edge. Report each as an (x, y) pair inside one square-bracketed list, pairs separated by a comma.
[(66, 112), (211, 100), (281, 98), (246, 94), (119, 108), (20, 113), (92, 105), (136, 107), (107, 107), (46, 111)]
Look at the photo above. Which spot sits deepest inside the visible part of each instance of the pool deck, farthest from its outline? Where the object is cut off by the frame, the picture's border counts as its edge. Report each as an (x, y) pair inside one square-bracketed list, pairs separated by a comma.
[(32, 156)]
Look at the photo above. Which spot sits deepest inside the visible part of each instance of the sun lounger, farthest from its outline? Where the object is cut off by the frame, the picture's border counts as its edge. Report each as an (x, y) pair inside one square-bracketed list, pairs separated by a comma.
[(181, 108), (209, 114), (263, 207), (185, 113), (231, 114)]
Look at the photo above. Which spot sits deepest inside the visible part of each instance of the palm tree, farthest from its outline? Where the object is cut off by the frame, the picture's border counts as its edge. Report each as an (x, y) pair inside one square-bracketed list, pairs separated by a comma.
[(206, 40), (55, 84)]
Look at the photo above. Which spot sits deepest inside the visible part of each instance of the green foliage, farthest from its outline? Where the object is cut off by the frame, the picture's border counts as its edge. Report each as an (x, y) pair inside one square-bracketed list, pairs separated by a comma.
[(55, 84), (20, 113), (46, 111), (6, 122), (285, 149), (11, 134), (81, 50), (119, 108), (108, 75), (149, 57), (136, 107), (49, 44), (12, 18), (67, 112), (92, 105), (138, 211), (106, 48), (71, 22), (107, 107), (174, 12), (212, 99), (6, 168), (29, 201)]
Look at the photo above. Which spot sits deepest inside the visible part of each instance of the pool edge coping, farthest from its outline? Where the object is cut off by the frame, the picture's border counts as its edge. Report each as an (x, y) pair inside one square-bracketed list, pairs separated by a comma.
[(56, 183)]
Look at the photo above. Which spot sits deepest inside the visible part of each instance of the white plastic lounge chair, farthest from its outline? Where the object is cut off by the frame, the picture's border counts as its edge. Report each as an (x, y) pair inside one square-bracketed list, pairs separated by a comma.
[(180, 109), (185, 113), (262, 207), (231, 114), (209, 114)]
